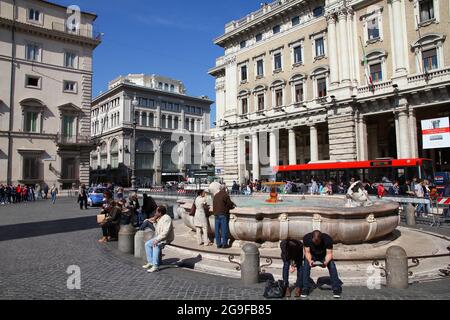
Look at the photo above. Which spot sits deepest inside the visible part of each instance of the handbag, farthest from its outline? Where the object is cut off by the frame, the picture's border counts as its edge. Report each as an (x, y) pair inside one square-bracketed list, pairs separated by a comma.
[(101, 218), (193, 209), (274, 289)]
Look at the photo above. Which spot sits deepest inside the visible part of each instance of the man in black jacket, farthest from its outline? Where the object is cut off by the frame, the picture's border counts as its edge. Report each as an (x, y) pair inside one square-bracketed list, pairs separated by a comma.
[(292, 256)]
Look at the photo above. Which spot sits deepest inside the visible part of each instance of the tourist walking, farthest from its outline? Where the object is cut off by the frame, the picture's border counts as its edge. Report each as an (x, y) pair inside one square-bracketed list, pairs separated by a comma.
[(83, 197), (53, 192), (319, 253), (222, 205), (201, 219), (45, 191), (164, 234)]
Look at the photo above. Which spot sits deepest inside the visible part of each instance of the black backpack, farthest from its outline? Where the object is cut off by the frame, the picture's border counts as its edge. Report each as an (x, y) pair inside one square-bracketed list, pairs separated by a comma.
[(274, 289)]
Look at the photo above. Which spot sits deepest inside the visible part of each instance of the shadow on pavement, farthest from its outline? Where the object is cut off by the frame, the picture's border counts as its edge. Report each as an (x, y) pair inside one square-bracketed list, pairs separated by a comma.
[(36, 229)]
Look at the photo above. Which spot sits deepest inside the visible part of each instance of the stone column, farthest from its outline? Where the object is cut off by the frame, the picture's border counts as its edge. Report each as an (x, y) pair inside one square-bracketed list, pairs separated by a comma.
[(343, 36), (332, 52), (158, 117), (255, 156), (274, 150), (404, 135), (241, 158), (157, 165), (292, 148), (362, 138), (400, 67), (413, 134), (182, 119), (314, 143)]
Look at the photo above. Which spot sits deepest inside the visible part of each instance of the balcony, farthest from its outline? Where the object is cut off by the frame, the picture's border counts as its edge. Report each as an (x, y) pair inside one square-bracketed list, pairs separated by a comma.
[(72, 141), (80, 32), (433, 76), (378, 87)]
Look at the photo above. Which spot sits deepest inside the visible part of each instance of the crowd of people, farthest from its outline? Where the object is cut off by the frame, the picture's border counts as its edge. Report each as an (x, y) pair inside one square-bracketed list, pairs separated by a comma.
[(10, 194)]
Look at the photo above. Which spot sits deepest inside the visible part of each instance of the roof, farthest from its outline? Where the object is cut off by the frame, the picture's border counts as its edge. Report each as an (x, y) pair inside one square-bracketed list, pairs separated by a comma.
[(65, 7)]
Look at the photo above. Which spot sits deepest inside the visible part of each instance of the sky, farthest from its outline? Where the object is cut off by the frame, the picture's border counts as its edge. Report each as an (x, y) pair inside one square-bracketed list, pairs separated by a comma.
[(173, 38)]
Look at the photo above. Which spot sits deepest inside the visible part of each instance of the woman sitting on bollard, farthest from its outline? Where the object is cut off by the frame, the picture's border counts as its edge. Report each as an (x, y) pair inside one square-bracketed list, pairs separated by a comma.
[(163, 235), (111, 223)]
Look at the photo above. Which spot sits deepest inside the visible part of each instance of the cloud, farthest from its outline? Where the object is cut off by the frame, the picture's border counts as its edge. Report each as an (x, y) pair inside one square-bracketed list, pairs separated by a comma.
[(169, 22)]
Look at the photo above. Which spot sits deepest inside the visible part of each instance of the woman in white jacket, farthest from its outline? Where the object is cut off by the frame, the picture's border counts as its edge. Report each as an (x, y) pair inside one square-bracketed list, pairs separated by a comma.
[(201, 219)]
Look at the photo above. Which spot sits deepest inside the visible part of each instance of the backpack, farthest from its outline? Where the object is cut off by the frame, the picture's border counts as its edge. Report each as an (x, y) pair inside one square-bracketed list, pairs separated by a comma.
[(274, 289)]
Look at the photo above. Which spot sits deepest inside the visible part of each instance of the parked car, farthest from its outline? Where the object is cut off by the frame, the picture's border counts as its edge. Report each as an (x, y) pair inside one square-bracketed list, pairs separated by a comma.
[(95, 197)]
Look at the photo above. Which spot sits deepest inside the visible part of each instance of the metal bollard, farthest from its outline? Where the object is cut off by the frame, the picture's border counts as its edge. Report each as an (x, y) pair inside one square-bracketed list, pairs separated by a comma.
[(126, 238), (410, 215), (396, 268), (250, 264), (139, 249), (147, 235)]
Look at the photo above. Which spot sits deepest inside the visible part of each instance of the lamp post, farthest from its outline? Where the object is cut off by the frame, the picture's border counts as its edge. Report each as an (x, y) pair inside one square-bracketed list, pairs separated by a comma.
[(134, 104)]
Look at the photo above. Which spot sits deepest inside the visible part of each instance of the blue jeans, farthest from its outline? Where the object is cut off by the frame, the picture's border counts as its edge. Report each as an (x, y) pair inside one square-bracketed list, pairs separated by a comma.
[(53, 197), (336, 283), (153, 253), (286, 266), (221, 229)]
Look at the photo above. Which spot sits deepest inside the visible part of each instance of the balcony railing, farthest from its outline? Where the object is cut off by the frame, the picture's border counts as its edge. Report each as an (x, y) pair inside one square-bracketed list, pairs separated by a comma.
[(73, 140), (430, 75), (375, 87), (81, 32)]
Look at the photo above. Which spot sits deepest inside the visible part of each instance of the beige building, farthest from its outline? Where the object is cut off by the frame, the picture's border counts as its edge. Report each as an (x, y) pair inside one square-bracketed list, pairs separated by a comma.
[(292, 86), (172, 131), (45, 94)]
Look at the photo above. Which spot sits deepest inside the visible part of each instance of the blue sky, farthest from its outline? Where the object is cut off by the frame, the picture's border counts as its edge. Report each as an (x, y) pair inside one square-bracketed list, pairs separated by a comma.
[(172, 38)]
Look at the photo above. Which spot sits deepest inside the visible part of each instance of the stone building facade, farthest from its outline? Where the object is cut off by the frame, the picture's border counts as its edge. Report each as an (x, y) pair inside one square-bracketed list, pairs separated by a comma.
[(45, 93), (172, 131), (313, 80)]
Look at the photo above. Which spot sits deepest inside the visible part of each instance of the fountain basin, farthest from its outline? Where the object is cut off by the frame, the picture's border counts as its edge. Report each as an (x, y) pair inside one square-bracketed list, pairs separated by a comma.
[(256, 221)]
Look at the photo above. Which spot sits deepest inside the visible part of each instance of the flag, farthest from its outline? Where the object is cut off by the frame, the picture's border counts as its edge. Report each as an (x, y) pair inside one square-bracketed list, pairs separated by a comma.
[(366, 66)]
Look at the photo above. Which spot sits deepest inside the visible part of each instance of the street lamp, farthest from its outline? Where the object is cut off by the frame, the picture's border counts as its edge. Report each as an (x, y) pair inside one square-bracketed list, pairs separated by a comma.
[(134, 104)]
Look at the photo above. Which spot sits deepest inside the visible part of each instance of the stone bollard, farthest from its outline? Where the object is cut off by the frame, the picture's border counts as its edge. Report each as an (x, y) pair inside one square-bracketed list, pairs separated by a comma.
[(139, 249), (126, 238), (250, 264), (396, 268), (410, 215), (148, 234)]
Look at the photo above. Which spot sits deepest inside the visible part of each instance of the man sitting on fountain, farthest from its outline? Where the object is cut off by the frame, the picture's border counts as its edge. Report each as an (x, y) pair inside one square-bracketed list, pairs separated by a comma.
[(319, 253), (292, 256)]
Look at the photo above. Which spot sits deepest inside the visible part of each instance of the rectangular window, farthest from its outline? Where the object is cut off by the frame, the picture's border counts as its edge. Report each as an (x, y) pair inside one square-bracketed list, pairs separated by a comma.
[(299, 93), (70, 86), (320, 48), (260, 68), (276, 29), (318, 11), (277, 61), (34, 15), (259, 37), (260, 102), (244, 73), (243, 44), (373, 29), (429, 58), (278, 98), (295, 21), (30, 168), (298, 54), (31, 120), (68, 126), (321, 88), (33, 82), (32, 52), (69, 168), (376, 72), (69, 59), (244, 103), (426, 10)]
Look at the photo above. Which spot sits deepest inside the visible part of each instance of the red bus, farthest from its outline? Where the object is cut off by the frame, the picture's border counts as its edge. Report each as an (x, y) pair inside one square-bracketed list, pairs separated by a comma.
[(380, 170)]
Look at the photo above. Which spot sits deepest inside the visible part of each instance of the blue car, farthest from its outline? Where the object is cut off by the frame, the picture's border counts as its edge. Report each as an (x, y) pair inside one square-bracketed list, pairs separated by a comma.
[(95, 197)]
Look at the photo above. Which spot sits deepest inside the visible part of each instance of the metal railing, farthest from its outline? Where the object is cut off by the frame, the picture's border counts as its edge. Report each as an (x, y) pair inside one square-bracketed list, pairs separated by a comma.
[(81, 32), (62, 139)]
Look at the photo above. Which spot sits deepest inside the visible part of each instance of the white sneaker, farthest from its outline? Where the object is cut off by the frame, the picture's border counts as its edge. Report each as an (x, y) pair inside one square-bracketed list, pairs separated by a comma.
[(153, 269), (147, 266)]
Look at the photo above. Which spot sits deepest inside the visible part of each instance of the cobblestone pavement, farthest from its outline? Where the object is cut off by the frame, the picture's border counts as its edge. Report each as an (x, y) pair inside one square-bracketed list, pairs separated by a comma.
[(39, 241)]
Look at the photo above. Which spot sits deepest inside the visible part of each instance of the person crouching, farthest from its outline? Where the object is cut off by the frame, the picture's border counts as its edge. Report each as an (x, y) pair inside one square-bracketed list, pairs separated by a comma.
[(164, 234)]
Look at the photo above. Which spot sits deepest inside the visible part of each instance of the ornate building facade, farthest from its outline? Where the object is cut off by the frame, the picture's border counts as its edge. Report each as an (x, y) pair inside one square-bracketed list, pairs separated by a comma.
[(45, 94), (172, 131), (308, 81)]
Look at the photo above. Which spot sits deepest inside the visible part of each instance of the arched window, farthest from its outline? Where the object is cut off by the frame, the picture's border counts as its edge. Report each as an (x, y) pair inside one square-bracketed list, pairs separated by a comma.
[(260, 98), (114, 153), (144, 154), (320, 79), (429, 52), (103, 156), (170, 156), (298, 88), (277, 89)]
